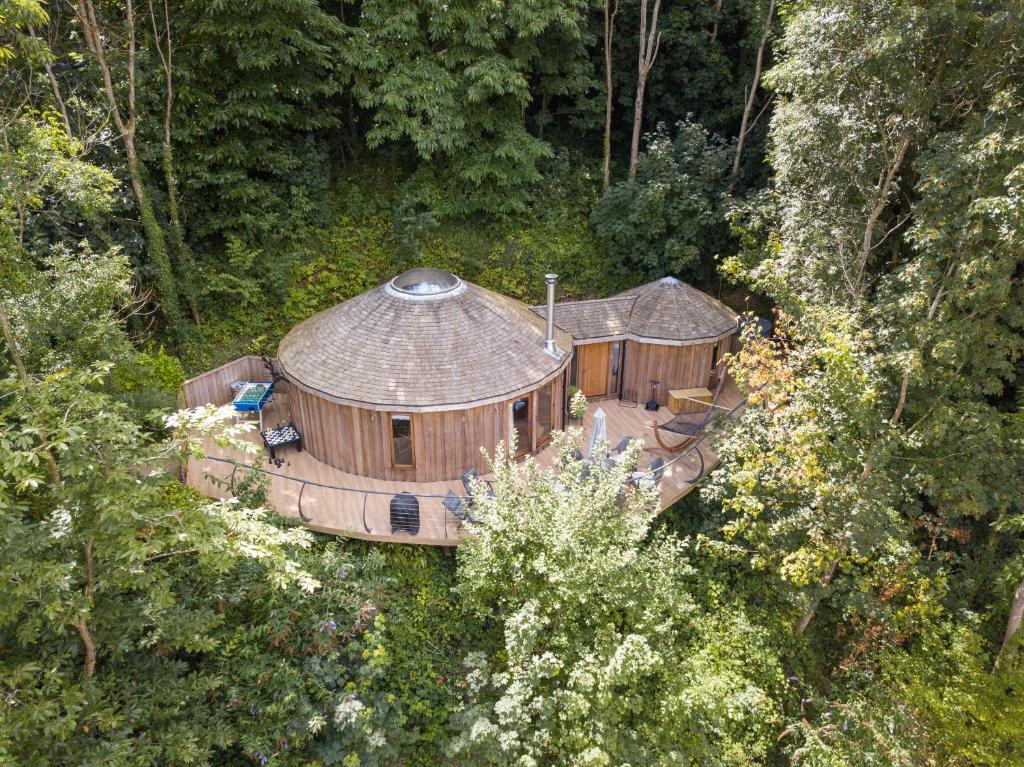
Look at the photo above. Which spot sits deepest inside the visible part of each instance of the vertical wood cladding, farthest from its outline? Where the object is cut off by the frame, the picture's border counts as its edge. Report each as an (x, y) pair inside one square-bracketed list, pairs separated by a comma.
[(214, 386), (445, 443), (676, 367)]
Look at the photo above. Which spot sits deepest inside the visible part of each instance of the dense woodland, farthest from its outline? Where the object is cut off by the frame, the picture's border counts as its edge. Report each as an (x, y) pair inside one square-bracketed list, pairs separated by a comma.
[(183, 180)]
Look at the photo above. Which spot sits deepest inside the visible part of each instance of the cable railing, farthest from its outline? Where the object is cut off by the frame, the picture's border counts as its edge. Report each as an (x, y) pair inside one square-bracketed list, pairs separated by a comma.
[(398, 514), (393, 514)]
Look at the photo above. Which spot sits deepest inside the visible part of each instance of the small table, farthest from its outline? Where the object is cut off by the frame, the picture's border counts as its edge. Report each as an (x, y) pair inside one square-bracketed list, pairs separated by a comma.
[(694, 400), (280, 436)]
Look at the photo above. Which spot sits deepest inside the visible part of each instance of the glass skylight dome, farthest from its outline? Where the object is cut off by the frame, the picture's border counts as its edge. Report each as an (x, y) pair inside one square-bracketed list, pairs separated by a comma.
[(425, 283)]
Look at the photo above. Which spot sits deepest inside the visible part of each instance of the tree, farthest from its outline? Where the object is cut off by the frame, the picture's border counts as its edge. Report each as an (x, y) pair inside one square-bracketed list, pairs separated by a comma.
[(453, 83), (648, 50), (125, 117), (605, 656), (610, 12), (748, 107), (164, 45), (256, 91), (884, 127), (670, 219)]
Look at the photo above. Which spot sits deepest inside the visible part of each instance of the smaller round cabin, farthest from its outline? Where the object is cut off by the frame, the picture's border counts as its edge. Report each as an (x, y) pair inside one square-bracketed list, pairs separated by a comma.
[(641, 344)]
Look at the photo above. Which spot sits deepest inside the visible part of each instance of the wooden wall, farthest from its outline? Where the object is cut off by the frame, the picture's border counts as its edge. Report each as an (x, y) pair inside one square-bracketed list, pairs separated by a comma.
[(445, 444), (676, 367), (214, 386)]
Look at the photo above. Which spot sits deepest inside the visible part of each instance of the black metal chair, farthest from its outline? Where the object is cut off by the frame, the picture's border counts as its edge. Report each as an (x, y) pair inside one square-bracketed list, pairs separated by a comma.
[(623, 443), (405, 514), (459, 508), (651, 476), (470, 474)]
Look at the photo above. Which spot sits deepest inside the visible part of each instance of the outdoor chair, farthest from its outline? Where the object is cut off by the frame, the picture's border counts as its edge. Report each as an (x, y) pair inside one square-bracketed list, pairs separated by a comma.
[(467, 484), (651, 476), (689, 425), (457, 505), (623, 444)]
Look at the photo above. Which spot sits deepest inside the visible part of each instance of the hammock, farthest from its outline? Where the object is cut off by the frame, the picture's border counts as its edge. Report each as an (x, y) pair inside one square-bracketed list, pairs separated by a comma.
[(689, 425)]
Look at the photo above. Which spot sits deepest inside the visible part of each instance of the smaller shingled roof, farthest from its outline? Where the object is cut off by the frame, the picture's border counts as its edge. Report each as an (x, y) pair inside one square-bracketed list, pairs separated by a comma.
[(666, 311)]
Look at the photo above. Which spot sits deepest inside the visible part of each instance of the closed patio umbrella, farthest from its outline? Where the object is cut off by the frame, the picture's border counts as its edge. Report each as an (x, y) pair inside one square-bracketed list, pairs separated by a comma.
[(599, 432)]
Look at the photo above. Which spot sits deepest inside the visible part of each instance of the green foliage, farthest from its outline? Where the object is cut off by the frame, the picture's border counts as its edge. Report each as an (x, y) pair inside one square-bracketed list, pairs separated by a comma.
[(454, 81), (669, 220), (148, 381), (255, 102), (16, 16), (45, 185), (606, 656)]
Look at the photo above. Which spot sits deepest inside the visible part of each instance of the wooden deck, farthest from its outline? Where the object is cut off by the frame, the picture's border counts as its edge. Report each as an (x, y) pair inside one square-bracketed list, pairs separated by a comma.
[(332, 501)]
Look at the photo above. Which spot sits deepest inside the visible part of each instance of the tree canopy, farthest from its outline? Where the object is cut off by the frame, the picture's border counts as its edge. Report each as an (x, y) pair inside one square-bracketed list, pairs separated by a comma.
[(182, 182)]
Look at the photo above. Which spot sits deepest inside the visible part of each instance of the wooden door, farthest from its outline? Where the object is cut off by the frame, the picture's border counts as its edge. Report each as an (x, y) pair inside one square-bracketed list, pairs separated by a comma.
[(592, 369)]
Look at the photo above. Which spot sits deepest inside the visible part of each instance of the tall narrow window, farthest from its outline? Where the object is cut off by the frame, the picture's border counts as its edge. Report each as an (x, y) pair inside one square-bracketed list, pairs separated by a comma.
[(520, 416), (616, 362), (544, 413), (401, 440)]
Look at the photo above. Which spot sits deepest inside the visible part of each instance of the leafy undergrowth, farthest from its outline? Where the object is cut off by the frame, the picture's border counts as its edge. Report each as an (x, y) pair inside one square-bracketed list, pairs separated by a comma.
[(365, 242)]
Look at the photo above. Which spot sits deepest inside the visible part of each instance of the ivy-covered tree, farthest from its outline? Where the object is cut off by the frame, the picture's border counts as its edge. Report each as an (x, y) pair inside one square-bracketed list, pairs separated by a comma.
[(670, 219)]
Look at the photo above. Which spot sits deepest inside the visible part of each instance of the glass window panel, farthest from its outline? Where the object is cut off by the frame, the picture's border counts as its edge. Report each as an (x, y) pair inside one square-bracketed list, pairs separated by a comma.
[(401, 440), (521, 424), (544, 424), (616, 355)]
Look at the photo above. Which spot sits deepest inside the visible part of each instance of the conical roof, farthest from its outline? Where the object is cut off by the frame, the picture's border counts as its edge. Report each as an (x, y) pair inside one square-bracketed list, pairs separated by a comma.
[(666, 311), (669, 309), (424, 341)]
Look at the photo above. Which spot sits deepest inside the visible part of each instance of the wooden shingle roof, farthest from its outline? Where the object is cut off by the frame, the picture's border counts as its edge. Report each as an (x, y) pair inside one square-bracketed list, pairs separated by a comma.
[(664, 311), (385, 350)]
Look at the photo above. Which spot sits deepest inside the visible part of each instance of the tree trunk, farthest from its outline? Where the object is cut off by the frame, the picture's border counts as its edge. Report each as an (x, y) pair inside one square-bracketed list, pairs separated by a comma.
[(649, 42), (1013, 622), (166, 289), (82, 625), (182, 254), (748, 107), (718, 16), (884, 188), (57, 97), (609, 33)]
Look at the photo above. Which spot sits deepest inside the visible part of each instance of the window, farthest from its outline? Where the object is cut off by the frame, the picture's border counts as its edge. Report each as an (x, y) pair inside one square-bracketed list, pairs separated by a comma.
[(401, 440), (520, 416), (544, 412), (616, 361)]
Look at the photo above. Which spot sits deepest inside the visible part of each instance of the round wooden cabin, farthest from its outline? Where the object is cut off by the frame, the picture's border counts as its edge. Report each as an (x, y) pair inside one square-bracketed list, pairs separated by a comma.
[(665, 331), (411, 379)]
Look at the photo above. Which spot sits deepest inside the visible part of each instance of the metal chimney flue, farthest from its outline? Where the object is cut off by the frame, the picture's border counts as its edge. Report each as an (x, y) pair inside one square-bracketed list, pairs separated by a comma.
[(549, 341)]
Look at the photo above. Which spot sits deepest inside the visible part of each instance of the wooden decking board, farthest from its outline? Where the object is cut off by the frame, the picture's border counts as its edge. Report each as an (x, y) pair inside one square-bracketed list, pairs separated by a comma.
[(362, 510)]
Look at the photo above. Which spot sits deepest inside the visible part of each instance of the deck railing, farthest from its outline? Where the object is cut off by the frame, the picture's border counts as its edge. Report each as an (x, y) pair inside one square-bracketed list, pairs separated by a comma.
[(431, 521)]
